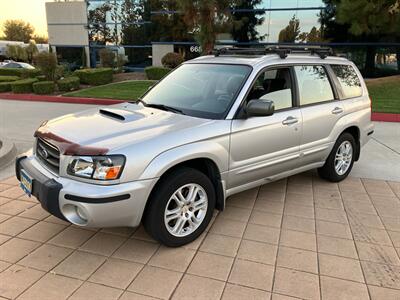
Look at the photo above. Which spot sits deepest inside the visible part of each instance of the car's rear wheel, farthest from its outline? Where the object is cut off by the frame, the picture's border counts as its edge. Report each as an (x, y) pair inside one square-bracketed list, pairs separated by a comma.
[(180, 207), (340, 161)]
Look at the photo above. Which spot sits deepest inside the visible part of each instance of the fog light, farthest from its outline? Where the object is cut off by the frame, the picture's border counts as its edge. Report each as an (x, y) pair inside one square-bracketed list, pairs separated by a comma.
[(81, 214)]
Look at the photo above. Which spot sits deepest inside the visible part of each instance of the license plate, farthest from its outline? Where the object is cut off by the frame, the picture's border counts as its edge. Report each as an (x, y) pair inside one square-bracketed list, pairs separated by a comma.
[(26, 182)]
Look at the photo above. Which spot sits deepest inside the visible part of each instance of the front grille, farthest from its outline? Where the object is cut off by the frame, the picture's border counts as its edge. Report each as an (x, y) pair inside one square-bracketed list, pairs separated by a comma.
[(48, 154)]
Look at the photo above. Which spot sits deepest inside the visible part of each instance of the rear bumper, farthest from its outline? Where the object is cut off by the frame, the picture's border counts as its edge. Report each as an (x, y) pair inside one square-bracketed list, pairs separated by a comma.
[(84, 204)]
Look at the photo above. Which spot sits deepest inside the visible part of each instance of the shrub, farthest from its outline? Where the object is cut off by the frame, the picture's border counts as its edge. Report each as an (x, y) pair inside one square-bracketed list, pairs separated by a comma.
[(121, 61), (41, 78), (156, 73), (23, 86), (43, 87), (68, 84), (97, 76), (107, 58), (47, 63), (5, 87), (172, 60), (8, 78), (23, 73)]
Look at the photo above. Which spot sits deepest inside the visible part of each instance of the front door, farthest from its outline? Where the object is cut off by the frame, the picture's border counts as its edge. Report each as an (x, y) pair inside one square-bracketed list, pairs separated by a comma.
[(265, 146)]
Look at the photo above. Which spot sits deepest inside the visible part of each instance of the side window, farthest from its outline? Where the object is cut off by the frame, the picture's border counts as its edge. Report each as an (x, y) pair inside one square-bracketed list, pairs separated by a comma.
[(274, 85), (348, 79), (314, 85)]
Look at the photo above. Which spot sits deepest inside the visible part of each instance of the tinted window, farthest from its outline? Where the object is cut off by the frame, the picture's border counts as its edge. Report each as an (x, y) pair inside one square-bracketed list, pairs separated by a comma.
[(274, 85), (200, 90), (349, 80), (314, 85)]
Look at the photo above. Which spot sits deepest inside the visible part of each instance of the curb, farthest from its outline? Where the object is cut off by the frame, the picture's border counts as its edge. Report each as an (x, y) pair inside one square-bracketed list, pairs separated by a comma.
[(7, 152), (58, 99), (384, 117)]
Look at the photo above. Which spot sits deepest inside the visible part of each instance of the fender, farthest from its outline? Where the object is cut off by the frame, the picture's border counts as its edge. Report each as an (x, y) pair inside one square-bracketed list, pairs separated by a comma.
[(216, 150)]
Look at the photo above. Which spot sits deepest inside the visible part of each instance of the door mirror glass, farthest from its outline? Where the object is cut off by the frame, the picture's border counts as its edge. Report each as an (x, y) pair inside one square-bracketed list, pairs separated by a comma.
[(260, 108)]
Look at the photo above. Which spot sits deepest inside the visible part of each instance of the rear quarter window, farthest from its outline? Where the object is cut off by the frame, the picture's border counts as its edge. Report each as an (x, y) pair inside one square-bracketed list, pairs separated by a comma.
[(349, 80)]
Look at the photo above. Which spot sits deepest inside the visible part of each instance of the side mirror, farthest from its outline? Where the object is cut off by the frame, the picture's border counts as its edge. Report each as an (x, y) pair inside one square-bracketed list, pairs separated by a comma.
[(260, 108)]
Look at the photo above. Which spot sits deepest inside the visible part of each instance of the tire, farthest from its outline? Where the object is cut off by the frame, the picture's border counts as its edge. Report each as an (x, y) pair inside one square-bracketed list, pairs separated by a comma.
[(329, 170), (194, 216)]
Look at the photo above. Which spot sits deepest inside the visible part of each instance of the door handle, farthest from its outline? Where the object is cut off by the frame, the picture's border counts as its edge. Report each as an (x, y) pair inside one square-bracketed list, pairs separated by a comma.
[(290, 121), (337, 110)]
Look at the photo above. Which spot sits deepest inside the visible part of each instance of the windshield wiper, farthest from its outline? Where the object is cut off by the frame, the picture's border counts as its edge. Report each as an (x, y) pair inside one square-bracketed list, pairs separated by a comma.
[(139, 100), (165, 107)]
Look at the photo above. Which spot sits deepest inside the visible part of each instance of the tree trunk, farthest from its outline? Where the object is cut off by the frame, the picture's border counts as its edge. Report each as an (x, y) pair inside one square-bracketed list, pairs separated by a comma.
[(370, 61)]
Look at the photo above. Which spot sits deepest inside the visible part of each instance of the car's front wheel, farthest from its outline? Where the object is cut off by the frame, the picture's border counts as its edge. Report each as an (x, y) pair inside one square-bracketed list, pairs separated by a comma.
[(340, 161), (180, 207)]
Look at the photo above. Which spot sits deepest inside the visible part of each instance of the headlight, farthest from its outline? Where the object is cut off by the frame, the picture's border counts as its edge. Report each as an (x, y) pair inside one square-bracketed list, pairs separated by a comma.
[(97, 167)]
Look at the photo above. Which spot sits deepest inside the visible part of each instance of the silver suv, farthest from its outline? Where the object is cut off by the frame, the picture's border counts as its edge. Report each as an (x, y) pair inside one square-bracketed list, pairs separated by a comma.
[(215, 126)]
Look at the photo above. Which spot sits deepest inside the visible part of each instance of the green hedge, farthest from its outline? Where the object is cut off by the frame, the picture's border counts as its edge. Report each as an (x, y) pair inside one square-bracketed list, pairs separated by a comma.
[(97, 76), (8, 78), (41, 78), (23, 73), (156, 73), (5, 87), (43, 87), (23, 86), (68, 84)]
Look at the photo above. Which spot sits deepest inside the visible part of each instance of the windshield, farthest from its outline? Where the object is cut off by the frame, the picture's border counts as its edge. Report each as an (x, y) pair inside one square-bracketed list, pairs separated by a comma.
[(200, 90)]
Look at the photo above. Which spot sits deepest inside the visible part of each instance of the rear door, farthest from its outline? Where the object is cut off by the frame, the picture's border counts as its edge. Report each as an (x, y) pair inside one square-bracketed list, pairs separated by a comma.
[(320, 108)]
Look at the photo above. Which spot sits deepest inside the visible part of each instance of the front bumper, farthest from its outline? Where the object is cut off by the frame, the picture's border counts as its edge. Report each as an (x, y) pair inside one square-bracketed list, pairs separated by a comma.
[(87, 204)]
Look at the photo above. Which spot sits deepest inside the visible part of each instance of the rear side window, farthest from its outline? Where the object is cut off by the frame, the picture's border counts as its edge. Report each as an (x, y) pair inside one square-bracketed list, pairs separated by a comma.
[(314, 85), (348, 79)]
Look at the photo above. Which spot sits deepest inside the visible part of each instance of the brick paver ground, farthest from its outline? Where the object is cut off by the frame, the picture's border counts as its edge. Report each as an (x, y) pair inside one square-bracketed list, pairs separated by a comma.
[(301, 237)]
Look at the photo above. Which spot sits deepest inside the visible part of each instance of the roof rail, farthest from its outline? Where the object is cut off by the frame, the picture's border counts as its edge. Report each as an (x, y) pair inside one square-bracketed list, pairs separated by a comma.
[(282, 51)]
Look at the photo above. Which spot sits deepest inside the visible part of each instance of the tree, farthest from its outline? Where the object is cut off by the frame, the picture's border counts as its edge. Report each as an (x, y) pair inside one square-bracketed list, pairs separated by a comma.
[(374, 21), (47, 63), (16, 52), (314, 36), (206, 19), (291, 32), (40, 39), (245, 22), (31, 50), (17, 30), (99, 31)]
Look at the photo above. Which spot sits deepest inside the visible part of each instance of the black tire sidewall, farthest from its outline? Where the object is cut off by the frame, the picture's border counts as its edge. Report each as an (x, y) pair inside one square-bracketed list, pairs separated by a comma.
[(154, 215), (328, 170)]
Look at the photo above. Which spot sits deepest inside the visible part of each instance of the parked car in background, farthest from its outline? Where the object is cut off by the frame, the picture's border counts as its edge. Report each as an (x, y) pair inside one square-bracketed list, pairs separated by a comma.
[(215, 126), (16, 65)]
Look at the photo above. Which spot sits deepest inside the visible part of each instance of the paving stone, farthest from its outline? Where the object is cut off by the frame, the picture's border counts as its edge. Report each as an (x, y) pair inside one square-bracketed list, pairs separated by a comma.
[(220, 244), (45, 257), (136, 250), (103, 243), (296, 283), (340, 267), (15, 249), (198, 288), (16, 279), (42, 231), (156, 282), (116, 273), (92, 291), (211, 265), (252, 274), (262, 233), (175, 259), (258, 252), (333, 288), (298, 259), (71, 237), (237, 292), (297, 239)]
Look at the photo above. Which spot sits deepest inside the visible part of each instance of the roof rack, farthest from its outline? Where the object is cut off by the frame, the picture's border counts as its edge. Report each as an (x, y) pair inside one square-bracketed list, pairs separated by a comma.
[(282, 51)]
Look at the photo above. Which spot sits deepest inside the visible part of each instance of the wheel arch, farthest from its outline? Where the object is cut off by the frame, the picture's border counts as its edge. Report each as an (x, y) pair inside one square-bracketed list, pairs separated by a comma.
[(355, 132)]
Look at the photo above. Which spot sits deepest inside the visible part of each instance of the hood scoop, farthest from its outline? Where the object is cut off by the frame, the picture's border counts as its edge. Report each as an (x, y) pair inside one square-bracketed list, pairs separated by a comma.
[(119, 114)]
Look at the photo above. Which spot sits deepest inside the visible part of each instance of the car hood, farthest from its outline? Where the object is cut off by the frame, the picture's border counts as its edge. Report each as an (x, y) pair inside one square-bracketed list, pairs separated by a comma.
[(108, 129)]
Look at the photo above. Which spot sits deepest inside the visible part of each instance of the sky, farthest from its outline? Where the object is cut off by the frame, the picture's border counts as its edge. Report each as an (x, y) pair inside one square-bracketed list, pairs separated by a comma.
[(32, 11)]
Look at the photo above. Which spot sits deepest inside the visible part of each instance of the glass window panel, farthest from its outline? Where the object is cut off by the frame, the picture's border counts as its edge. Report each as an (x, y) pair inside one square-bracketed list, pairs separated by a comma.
[(200, 90), (348, 80), (314, 85)]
